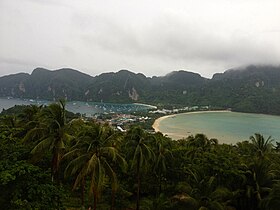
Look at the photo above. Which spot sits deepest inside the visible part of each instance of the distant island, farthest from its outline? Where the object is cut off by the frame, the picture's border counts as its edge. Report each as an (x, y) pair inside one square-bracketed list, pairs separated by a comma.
[(254, 89)]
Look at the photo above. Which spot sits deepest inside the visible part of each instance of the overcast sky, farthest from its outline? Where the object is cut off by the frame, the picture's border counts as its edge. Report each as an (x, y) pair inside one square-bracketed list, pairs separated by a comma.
[(153, 37)]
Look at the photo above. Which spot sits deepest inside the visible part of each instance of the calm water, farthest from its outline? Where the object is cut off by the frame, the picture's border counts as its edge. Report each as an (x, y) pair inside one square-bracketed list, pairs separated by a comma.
[(227, 127), (88, 108)]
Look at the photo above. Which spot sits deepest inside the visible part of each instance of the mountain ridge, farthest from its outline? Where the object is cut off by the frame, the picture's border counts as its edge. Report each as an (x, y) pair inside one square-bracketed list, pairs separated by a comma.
[(252, 89)]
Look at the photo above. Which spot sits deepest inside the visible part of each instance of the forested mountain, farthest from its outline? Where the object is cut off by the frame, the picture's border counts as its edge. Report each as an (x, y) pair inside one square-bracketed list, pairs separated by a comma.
[(46, 84), (250, 89)]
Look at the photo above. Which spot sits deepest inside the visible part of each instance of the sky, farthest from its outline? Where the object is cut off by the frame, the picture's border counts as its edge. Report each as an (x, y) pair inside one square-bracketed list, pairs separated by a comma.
[(143, 36)]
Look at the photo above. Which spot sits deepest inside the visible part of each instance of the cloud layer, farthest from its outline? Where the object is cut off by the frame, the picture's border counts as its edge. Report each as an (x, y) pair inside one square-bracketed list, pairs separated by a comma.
[(152, 37)]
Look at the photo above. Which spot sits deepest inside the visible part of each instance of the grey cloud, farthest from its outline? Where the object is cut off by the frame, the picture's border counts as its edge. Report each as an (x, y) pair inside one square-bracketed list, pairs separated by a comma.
[(173, 39), (11, 66), (54, 3), (168, 41), (149, 38), (14, 61)]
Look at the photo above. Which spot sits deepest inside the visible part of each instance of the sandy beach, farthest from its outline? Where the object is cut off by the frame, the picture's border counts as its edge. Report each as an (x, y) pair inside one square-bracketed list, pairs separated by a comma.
[(148, 105), (158, 120)]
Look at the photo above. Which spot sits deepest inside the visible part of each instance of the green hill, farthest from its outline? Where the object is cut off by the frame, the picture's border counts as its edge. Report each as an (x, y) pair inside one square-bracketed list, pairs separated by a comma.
[(249, 89)]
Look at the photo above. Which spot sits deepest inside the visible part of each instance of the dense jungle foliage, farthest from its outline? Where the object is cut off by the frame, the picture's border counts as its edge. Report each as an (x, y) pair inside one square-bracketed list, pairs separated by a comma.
[(51, 160)]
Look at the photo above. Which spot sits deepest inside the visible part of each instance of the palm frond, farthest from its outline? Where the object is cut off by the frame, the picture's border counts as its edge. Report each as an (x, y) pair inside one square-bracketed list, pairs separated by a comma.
[(91, 165), (33, 133), (111, 174), (82, 174), (72, 153), (109, 151), (74, 165), (43, 146)]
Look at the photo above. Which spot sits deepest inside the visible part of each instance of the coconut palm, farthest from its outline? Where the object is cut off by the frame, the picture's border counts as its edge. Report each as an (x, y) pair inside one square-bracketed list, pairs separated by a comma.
[(93, 156), (29, 118), (198, 144), (52, 134), (138, 141), (260, 177), (9, 125), (30, 113), (162, 153), (207, 194), (261, 145), (272, 202)]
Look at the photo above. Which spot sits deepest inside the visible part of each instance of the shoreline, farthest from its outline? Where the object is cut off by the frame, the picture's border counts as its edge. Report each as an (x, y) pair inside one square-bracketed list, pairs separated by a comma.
[(222, 132), (148, 105), (156, 123)]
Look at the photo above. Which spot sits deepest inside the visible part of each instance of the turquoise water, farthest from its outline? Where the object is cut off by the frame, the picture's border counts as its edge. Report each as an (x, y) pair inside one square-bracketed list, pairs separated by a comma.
[(88, 108), (227, 127)]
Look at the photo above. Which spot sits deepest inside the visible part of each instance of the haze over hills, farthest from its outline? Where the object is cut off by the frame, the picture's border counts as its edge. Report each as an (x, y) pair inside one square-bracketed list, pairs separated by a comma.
[(251, 89)]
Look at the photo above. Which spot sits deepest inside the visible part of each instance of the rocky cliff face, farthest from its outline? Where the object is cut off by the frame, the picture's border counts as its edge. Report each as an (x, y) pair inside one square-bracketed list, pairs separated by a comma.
[(133, 94)]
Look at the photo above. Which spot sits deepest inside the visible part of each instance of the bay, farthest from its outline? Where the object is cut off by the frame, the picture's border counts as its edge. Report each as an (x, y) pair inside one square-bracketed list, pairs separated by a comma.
[(227, 127), (87, 108)]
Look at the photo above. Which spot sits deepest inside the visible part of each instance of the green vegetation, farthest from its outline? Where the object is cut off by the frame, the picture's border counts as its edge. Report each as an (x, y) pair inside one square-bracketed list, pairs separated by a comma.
[(50, 160), (253, 89)]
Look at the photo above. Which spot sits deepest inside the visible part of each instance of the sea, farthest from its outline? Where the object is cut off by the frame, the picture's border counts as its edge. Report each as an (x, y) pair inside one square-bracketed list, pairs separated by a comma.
[(227, 127), (86, 108)]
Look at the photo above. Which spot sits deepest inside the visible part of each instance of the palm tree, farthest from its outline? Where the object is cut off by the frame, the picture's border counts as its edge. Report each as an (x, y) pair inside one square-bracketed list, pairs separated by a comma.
[(29, 118), (198, 144), (9, 125), (30, 113), (260, 176), (261, 146), (137, 140), (93, 156), (272, 202), (206, 192), (52, 134), (162, 153)]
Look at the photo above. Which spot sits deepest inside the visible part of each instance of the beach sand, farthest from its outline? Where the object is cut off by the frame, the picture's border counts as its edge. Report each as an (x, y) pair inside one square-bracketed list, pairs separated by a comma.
[(148, 105), (156, 124)]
